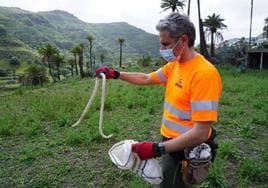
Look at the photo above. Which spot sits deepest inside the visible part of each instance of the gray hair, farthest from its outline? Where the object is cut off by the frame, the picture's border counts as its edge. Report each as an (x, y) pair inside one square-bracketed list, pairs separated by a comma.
[(178, 25)]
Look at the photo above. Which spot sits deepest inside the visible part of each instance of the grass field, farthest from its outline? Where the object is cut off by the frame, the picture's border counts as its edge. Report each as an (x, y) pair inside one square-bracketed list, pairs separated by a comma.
[(40, 149)]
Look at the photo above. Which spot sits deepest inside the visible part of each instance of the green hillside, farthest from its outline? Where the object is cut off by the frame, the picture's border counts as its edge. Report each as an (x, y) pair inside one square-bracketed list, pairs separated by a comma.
[(22, 32)]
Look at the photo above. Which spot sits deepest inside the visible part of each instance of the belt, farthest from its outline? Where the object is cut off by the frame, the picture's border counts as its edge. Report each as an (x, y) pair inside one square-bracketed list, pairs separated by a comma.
[(178, 155)]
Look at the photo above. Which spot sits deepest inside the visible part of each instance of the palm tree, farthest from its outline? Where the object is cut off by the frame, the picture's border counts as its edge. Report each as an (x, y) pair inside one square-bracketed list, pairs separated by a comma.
[(172, 4), (265, 28), (80, 51), (74, 51), (59, 60), (90, 38), (94, 60), (121, 41), (250, 24), (189, 7), (71, 62), (203, 45), (47, 53), (212, 24)]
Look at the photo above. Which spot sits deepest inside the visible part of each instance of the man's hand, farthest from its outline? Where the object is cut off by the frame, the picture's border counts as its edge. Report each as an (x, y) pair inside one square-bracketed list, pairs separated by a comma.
[(145, 150), (109, 73)]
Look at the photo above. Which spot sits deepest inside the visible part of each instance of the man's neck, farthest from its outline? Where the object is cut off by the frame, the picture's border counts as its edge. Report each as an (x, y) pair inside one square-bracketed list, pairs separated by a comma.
[(189, 54)]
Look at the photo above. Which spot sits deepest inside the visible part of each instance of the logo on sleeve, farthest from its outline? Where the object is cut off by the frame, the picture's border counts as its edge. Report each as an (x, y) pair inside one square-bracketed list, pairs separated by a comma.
[(180, 83)]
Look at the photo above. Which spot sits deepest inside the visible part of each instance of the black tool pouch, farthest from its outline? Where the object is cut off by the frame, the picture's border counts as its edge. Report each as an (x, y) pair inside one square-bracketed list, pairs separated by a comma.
[(196, 171), (212, 143)]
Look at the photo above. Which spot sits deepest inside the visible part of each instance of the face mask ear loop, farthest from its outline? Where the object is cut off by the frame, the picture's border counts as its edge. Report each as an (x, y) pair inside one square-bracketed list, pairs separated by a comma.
[(178, 58), (176, 44)]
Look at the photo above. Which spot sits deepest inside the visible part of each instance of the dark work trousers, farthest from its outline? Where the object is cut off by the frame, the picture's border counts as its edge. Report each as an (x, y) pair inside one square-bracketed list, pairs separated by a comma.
[(171, 165), (172, 173), (171, 168)]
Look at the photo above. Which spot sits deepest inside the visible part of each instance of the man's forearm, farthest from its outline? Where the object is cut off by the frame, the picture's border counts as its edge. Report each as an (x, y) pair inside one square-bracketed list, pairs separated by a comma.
[(191, 138), (135, 78)]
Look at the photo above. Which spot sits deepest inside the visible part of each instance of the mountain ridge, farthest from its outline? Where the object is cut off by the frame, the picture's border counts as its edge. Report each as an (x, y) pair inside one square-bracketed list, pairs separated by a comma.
[(65, 30)]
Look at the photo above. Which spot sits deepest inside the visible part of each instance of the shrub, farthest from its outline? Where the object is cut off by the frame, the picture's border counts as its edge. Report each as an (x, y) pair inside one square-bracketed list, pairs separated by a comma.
[(5, 130), (35, 75), (145, 61), (3, 73)]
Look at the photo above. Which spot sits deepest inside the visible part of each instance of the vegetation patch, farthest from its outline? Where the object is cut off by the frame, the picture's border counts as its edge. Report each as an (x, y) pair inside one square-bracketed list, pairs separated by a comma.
[(39, 148)]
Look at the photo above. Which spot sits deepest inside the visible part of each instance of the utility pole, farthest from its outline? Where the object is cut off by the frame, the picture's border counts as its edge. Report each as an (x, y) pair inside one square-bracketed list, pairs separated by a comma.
[(250, 26), (189, 8)]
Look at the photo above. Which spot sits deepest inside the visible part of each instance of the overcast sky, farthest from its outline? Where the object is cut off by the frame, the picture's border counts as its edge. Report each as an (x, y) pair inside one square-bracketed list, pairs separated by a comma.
[(146, 13)]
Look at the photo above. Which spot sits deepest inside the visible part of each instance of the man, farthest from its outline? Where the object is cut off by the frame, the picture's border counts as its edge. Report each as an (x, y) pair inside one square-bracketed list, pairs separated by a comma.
[(193, 87)]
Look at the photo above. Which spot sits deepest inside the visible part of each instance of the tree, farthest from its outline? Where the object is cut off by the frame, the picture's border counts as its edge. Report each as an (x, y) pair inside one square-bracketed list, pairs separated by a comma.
[(59, 60), (235, 54), (265, 28), (14, 64), (173, 5), (121, 41), (203, 45), (102, 57), (3, 32), (71, 62), (47, 53), (80, 51), (94, 60), (145, 61), (3, 73), (74, 51), (90, 38), (214, 23)]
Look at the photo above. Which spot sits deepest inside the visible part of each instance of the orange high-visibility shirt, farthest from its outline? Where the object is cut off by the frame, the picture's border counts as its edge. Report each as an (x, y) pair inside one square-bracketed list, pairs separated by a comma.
[(193, 89)]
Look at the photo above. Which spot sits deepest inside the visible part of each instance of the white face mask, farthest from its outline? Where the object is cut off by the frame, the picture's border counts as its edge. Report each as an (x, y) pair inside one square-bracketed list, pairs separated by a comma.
[(168, 54)]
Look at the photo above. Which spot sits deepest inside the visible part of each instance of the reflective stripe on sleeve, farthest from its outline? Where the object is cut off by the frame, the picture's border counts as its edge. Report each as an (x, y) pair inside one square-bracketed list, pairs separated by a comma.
[(161, 76), (177, 112), (175, 126), (204, 105)]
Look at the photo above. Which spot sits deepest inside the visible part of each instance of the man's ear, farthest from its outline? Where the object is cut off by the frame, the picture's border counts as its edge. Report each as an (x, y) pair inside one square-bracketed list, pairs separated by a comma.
[(184, 39)]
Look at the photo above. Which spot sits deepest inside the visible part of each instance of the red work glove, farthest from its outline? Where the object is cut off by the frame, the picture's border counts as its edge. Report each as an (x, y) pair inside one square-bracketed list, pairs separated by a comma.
[(110, 73), (145, 150)]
